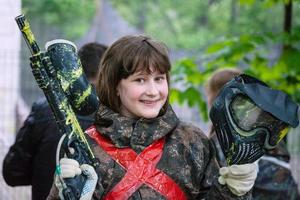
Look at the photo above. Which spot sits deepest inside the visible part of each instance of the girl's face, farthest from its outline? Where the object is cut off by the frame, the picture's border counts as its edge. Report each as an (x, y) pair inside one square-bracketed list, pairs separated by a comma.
[(142, 95)]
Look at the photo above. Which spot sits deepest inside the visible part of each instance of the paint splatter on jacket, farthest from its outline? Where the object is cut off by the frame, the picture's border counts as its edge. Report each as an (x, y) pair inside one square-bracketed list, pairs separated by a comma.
[(188, 156)]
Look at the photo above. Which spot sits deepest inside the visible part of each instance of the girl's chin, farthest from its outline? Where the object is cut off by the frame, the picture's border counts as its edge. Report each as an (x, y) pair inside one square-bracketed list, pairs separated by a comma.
[(150, 115)]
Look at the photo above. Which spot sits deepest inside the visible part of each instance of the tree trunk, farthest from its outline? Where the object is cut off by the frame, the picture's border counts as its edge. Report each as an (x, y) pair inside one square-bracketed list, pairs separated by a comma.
[(287, 26), (233, 12)]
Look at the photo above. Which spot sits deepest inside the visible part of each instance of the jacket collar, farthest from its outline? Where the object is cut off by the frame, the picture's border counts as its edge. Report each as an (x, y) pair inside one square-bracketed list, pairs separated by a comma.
[(137, 134)]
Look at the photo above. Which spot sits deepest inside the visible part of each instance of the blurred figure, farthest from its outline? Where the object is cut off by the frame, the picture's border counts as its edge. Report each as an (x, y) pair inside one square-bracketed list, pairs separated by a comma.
[(274, 179), (22, 111), (31, 159)]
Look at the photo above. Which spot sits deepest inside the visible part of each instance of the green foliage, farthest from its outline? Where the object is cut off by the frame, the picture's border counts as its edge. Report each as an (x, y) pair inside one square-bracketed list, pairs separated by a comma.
[(273, 57), (193, 24), (71, 16), (187, 80), (253, 53), (179, 24)]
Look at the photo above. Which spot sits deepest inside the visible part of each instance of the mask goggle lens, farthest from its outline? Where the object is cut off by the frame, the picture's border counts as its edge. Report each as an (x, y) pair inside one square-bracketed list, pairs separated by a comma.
[(247, 116)]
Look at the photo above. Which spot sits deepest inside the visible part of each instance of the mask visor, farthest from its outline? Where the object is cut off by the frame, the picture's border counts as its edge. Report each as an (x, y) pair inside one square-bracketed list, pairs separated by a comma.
[(251, 119)]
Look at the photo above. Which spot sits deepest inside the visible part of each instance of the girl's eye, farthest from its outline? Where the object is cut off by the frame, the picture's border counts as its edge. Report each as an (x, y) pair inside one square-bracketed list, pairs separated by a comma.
[(160, 78), (140, 80)]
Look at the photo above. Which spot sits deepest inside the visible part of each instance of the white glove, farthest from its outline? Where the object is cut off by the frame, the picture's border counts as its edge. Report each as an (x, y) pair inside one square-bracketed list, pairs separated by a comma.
[(69, 169), (90, 184), (238, 178)]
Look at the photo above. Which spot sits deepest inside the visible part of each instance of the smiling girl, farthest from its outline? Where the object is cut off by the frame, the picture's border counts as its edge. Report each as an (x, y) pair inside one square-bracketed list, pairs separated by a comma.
[(145, 151)]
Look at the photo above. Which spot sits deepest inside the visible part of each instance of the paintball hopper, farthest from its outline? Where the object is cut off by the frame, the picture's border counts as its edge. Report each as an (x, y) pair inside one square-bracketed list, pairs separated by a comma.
[(249, 118), (80, 93)]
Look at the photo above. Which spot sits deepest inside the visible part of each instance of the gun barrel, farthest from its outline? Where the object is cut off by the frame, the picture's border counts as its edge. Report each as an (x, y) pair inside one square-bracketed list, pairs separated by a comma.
[(24, 27)]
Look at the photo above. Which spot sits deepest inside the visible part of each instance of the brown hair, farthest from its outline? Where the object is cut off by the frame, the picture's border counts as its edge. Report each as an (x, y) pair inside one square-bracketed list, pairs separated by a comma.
[(218, 79), (124, 57)]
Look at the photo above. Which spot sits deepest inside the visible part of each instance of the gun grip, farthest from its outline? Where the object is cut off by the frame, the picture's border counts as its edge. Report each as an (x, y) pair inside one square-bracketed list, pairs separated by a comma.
[(74, 187)]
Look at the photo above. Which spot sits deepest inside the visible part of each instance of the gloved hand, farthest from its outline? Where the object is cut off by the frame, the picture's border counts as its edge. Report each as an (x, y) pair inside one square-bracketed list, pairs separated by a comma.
[(238, 178), (90, 184), (69, 169)]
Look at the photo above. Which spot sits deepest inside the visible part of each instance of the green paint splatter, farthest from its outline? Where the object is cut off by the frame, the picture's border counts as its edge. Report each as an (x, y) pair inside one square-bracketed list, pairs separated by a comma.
[(80, 98), (67, 79), (27, 31), (230, 154)]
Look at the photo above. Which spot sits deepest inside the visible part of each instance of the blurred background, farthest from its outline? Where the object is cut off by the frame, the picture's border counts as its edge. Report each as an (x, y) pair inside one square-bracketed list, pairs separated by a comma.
[(260, 37)]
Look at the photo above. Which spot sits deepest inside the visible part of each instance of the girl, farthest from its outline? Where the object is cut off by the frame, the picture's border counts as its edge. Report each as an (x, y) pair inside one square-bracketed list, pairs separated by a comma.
[(145, 152)]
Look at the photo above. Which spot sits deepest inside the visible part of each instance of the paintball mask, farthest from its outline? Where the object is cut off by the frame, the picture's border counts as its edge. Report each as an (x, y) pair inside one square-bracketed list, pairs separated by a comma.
[(81, 94), (250, 118)]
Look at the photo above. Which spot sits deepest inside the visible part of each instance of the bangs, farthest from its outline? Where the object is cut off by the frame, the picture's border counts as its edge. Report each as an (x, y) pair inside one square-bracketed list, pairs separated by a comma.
[(148, 57)]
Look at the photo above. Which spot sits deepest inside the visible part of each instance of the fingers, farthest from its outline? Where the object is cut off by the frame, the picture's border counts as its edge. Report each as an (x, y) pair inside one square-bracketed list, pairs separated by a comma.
[(224, 171), (69, 168), (72, 150), (239, 171), (91, 182), (239, 187), (242, 170), (89, 171), (222, 180), (238, 178)]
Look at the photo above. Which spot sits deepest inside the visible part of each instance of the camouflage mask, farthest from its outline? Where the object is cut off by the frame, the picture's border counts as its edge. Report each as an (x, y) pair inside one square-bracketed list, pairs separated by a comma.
[(250, 118)]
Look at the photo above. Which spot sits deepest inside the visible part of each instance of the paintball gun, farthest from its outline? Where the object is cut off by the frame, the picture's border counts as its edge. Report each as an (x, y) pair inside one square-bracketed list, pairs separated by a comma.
[(58, 72)]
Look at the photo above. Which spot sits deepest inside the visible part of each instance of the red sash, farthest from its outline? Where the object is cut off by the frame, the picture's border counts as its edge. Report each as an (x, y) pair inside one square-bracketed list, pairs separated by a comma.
[(141, 169)]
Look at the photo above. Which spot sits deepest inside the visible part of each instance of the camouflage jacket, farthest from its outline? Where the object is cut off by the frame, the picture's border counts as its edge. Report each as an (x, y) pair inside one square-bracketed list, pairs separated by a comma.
[(188, 157), (274, 179)]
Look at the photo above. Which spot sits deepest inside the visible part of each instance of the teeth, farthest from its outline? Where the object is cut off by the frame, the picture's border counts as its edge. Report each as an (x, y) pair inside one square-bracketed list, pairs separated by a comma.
[(148, 102)]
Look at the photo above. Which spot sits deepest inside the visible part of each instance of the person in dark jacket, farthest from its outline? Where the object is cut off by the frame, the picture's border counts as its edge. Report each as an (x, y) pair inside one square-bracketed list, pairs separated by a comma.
[(145, 151), (31, 159), (274, 179)]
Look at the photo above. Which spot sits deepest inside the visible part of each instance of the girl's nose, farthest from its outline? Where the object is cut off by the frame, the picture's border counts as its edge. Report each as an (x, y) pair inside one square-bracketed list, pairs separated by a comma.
[(152, 88)]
